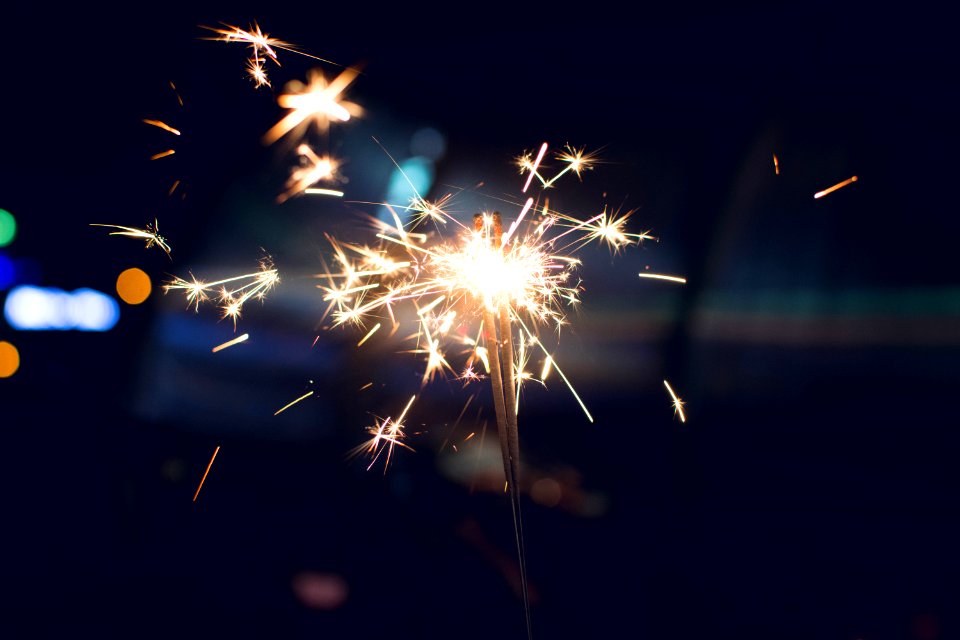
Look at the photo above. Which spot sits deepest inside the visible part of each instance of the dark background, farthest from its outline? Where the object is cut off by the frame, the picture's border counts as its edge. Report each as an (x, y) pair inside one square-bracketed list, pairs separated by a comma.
[(811, 493)]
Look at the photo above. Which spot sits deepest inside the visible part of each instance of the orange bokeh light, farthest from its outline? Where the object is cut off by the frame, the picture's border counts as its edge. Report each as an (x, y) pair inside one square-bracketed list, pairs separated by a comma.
[(133, 286)]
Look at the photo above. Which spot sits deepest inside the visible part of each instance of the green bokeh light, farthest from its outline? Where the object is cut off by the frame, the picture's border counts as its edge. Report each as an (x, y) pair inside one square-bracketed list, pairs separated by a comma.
[(8, 227)]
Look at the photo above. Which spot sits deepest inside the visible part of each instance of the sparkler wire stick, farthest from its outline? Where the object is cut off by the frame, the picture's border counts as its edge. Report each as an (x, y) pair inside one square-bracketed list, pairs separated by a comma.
[(504, 402)]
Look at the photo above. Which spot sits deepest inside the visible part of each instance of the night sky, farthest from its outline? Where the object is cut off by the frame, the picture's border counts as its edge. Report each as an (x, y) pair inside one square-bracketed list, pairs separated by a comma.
[(811, 492)]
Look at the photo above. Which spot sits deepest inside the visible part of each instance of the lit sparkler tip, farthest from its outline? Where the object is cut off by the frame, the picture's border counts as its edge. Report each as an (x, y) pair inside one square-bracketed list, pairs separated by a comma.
[(677, 402), (839, 185)]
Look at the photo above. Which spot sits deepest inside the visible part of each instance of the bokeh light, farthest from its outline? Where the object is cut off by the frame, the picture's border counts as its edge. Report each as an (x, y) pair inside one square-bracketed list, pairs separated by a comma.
[(8, 227), (133, 286), (30, 308), (9, 359)]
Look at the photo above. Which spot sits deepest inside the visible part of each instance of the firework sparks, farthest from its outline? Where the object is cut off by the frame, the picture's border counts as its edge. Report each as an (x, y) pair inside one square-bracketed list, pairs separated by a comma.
[(839, 185), (161, 125), (231, 299), (262, 48), (661, 276), (290, 404), (204, 478), (385, 434), (150, 234), (312, 169), (677, 402), (230, 343), (317, 101)]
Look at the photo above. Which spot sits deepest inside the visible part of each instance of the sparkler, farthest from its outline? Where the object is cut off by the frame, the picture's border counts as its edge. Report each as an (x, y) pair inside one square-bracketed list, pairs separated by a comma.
[(231, 299), (479, 297), (149, 234)]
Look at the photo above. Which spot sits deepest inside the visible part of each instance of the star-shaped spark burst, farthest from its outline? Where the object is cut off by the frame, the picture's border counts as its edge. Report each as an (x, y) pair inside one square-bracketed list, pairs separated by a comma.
[(318, 101)]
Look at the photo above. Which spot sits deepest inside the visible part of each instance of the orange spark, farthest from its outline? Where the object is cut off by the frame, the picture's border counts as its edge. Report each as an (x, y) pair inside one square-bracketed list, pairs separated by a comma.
[(204, 478), (839, 185), (230, 343)]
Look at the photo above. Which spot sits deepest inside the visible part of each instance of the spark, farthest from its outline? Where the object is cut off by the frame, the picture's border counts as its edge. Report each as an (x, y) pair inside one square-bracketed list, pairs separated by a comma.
[(776, 164), (660, 276), (385, 434), (150, 234), (162, 125), (242, 288), (532, 168), (204, 478), (677, 402), (262, 47), (312, 169), (576, 160), (839, 185), (290, 404), (162, 154), (230, 343), (317, 101), (323, 192), (608, 227), (376, 328), (366, 386)]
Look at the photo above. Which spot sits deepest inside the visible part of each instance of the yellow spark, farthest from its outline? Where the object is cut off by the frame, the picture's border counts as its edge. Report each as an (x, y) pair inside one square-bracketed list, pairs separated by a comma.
[(317, 101), (677, 402), (776, 164), (150, 234), (204, 478), (230, 343), (162, 154), (162, 125), (660, 276), (290, 404), (376, 327), (248, 286), (576, 160), (366, 386), (839, 185)]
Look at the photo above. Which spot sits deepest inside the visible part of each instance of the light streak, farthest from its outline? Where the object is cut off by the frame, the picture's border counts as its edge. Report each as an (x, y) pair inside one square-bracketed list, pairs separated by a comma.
[(230, 343), (162, 154), (776, 164), (204, 478), (839, 185), (661, 276), (290, 404), (312, 169), (150, 234), (313, 191), (534, 166), (162, 125), (372, 331), (677, 402)]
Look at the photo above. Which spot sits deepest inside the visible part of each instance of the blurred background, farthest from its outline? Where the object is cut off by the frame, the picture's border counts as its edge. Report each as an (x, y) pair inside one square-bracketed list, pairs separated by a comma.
[(811, 492)]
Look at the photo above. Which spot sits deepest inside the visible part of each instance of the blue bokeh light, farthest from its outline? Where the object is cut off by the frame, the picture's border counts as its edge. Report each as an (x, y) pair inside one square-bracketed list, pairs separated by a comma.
[(29, 308)]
